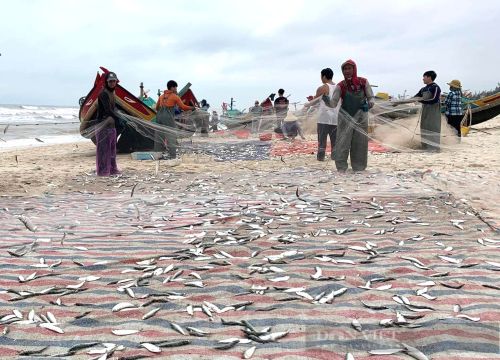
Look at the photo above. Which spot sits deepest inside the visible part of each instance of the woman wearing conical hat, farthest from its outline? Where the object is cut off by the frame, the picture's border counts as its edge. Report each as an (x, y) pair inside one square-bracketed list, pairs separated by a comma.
[(453, 103), (291, 127)]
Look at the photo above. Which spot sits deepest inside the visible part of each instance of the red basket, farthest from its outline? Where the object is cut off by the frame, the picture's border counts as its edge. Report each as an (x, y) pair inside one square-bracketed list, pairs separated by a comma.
[(241, 134), (266, 137)]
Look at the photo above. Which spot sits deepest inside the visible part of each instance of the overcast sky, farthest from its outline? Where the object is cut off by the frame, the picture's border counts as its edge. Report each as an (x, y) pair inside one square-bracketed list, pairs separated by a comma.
[(51, 50)]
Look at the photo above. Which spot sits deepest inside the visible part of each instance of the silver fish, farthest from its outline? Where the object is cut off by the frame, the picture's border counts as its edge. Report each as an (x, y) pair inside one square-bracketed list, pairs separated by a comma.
[(463, 316), (356, 325), (450, 259), (27, 223), (385, 351), (122, 306), (250, 351), (52, 327), (177, 328), (151, 347), (196, 332), (150, 313), (414, 352), (318, 274), (124, 332)]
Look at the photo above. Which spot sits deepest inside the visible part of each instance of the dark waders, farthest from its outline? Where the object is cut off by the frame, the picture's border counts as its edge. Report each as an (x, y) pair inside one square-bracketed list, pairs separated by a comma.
[(351, 133), (165, 117), (430, 125)]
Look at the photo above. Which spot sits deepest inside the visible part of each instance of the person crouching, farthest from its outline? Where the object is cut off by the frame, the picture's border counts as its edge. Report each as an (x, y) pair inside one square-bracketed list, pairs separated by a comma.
[(291, 127)]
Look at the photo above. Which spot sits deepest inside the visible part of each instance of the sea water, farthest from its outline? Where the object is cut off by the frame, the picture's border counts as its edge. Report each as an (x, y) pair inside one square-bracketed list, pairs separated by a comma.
[(24, 126)]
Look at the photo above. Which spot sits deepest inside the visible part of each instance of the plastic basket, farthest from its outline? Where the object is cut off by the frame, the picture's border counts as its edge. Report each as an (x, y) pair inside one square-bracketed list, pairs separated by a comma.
[(266, 137), (145, 155), (464, 130)]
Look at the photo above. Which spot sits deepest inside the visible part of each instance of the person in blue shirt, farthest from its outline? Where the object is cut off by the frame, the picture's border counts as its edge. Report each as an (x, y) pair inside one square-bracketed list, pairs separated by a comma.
[(430, 120), (453, 106)]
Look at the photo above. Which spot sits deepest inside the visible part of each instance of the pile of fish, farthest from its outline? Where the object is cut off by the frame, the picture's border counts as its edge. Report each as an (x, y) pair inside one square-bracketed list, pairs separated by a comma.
[(229, 151), (291, 263)]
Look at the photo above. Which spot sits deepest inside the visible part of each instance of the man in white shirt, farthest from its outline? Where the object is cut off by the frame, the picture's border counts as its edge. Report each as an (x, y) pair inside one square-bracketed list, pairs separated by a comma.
[(327, 117)]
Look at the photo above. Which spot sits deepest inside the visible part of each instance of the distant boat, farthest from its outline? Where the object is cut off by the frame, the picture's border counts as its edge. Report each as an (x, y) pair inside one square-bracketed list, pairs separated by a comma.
[(236, 119)]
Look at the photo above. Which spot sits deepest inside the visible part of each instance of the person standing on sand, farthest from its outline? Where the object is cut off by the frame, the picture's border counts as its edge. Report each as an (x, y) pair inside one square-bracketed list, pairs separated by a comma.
[(165, 108), (256, 112), (106, 133), (430, 119), (453, 103), (214, 121), (327, 117), (280, 108), (352, 129)]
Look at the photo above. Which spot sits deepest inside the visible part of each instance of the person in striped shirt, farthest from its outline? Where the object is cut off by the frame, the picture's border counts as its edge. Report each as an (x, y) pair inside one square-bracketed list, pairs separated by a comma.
[(453, 106)]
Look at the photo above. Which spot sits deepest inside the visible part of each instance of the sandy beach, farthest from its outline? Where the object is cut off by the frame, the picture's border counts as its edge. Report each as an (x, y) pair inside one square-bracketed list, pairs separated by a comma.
[(468, 170), (249, 243), (400, 259)]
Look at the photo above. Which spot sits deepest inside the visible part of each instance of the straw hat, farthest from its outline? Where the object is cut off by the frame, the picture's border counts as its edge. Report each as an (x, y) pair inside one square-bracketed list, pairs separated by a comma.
[(455, 84), (290, 116)]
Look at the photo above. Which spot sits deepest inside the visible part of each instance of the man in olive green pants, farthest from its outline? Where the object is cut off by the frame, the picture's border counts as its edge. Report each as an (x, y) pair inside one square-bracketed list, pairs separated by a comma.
[(357, 97), (165, 107)]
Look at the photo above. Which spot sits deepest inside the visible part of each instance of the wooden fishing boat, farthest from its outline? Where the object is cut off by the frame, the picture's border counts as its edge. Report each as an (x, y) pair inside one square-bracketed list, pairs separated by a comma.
[(485, 108), (129, 140)]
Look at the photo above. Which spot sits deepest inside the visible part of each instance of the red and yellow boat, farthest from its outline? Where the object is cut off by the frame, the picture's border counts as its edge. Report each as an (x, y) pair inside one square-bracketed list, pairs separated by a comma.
[(129, 140)]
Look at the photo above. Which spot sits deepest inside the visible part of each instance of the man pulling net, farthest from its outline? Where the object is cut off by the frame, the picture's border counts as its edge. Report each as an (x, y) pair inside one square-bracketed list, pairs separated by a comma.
[(165, 108)]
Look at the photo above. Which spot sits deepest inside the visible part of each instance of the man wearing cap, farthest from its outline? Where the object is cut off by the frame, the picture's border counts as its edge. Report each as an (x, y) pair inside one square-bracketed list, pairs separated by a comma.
[(165, 107), (352, 129), (106, 130), (453, 103)]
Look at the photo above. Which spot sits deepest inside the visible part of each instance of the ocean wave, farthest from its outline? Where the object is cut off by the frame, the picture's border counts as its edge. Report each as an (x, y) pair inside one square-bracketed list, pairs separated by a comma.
[(26, 113)]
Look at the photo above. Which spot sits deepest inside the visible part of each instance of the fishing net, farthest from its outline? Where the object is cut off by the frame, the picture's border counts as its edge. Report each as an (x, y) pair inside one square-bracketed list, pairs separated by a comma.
[(393, 128), (397, 128)]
